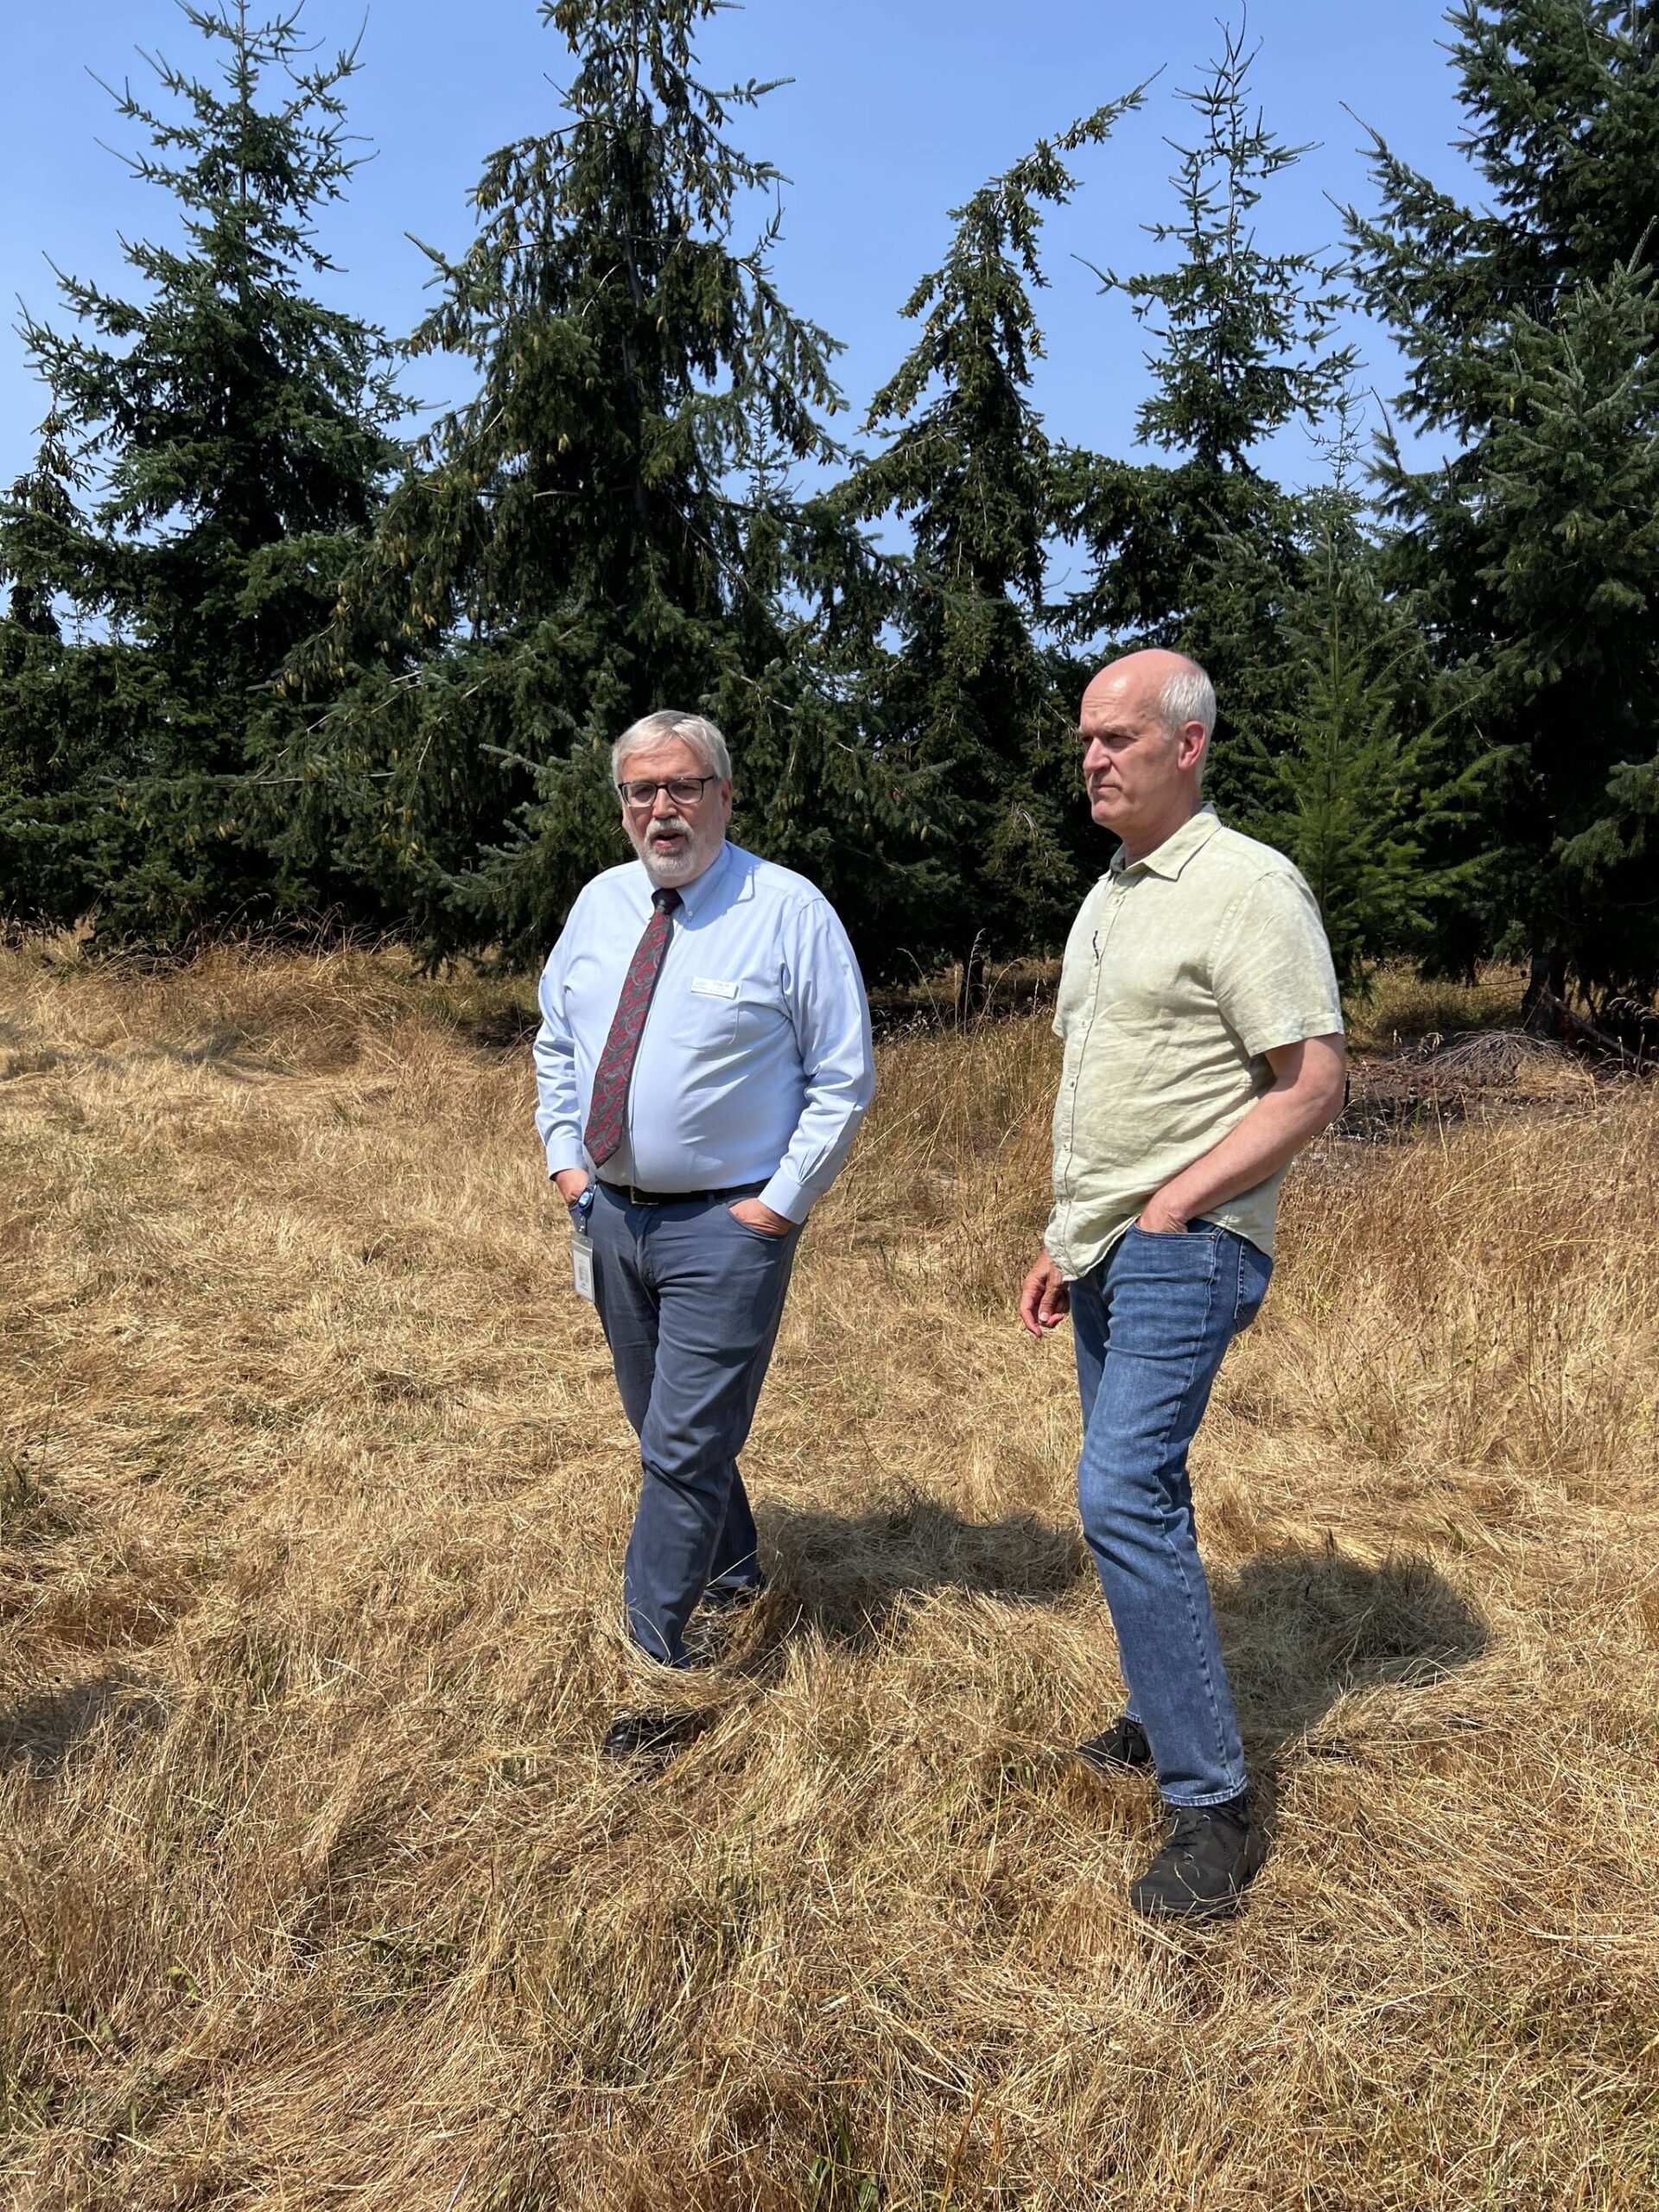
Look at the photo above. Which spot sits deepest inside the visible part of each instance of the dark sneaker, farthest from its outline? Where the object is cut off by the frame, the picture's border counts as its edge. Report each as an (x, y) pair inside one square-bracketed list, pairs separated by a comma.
[(648, 1739), (1208, 1856), (1120, 1749)]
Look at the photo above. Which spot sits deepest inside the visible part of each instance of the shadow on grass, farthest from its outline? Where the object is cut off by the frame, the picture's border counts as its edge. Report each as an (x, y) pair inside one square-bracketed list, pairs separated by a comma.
[(41, 1734), (846, 1576), (1300, 1627)]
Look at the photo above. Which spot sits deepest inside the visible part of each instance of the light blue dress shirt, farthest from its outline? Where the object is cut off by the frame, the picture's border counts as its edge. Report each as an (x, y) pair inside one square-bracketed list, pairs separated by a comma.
[(754, 1065)]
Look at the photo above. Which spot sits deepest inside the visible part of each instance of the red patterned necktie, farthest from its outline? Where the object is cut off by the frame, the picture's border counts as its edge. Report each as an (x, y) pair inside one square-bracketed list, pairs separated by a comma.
[(608, 1105)]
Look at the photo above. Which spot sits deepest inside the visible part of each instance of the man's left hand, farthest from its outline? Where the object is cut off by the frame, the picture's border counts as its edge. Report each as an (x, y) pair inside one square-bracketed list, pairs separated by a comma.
[(1159, 1218), (753, 1214)]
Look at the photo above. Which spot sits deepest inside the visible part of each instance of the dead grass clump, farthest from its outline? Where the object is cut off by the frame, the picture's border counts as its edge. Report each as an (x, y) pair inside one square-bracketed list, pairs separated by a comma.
[(312, 1494), (1398, 1005)]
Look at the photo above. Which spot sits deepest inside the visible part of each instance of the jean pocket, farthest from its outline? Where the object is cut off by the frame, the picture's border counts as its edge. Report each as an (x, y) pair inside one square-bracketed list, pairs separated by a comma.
[(1189, 1262), (1255, 1273), (762, 1235)]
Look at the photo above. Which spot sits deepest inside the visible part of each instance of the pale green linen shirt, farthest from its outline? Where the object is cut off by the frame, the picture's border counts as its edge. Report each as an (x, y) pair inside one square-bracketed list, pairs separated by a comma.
[(1181, 972)]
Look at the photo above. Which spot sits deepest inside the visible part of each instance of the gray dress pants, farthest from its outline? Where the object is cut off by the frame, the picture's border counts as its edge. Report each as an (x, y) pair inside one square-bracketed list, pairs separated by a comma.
[(691, 1300)]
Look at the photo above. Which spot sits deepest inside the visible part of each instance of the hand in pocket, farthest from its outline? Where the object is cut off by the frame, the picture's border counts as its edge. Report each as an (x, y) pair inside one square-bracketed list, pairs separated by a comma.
[(753, 1214)]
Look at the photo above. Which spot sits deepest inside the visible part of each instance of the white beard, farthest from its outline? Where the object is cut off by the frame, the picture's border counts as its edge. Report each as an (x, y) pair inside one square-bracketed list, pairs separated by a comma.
[(684, 863)]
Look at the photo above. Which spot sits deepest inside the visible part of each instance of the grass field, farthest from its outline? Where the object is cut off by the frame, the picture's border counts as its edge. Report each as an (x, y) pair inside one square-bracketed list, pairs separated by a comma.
[(313, 1892)]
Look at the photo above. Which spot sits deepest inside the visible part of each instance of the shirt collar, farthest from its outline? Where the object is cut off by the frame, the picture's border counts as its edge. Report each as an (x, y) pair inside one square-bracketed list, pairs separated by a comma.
[(1172, 855)]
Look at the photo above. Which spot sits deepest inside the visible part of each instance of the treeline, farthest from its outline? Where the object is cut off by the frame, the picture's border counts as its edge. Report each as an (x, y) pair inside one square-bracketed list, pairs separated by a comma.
[(264, 666)]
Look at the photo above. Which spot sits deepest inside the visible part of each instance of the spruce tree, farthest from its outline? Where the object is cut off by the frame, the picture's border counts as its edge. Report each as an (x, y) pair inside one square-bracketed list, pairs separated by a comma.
[(41, 501), (604, 529), (55, 733), (1241, 351), (229, 435), (969, 695), (1530, 325), (1349, 738)]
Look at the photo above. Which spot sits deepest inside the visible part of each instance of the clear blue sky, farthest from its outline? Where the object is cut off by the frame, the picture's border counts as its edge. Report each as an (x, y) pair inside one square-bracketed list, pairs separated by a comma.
[(898, 110)]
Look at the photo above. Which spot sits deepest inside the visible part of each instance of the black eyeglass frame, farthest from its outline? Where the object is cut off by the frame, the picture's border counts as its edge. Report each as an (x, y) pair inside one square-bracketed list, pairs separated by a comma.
[(629, 793)]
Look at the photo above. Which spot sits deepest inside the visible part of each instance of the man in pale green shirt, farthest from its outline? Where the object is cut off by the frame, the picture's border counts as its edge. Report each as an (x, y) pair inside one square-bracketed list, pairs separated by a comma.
[(1203, 1049)]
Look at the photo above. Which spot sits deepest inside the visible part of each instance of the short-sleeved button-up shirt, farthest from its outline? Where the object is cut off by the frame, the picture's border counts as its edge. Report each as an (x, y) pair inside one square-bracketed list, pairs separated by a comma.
[(1181, 972)]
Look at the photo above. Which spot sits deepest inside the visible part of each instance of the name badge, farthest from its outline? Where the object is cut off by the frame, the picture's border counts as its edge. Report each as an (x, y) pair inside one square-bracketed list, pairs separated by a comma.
[(582, 1264), (707, 987)]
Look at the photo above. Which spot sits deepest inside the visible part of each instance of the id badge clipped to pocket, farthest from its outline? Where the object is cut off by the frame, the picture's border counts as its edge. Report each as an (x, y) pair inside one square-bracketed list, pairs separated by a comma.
[(581, 1245)]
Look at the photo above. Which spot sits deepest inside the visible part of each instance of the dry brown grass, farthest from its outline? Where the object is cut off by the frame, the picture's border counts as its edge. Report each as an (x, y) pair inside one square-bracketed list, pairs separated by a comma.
[(314, 1490), (1398, 1005)]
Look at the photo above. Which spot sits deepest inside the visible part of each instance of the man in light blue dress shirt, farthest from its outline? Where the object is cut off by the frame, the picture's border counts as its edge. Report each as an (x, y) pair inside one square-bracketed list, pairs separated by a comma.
[(745, 1089)]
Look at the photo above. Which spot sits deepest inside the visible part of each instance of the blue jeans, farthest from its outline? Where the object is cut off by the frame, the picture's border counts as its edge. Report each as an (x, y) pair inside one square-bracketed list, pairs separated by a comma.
[(1151, 1323), (690, 1299)]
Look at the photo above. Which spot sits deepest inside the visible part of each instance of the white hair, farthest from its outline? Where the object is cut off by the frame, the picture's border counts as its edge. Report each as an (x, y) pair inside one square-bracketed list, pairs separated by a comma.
[(1187, 697), (695, 730)]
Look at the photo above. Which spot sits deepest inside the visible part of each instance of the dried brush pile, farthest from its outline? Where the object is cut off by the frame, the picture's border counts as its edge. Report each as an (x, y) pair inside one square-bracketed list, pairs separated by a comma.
[(314, 1492)]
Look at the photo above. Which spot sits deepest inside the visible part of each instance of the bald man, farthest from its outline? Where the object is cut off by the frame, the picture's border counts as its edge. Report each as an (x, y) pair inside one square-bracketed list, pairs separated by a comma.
[(1204, 1049)]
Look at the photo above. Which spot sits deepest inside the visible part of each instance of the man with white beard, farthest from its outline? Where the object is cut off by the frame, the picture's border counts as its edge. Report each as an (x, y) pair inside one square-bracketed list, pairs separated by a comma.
[(702, 1066)]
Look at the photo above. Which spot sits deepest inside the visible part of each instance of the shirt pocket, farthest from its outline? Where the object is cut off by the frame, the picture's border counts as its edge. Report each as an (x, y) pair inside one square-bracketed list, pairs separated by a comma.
[(709, 1011), (762, 1014)]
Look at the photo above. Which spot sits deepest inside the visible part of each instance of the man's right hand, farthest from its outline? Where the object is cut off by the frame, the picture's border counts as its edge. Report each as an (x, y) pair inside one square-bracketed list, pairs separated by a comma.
[(1044, 1299), (570, 1183)]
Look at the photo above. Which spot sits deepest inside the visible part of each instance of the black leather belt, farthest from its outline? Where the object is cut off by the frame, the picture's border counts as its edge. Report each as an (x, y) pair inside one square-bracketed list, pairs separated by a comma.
[(631, 1195)]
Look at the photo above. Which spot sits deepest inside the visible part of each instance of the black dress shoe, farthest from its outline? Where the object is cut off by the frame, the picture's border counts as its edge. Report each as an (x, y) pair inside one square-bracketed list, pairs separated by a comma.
[(717, 1622), (1210, 1854), (1123, 1748), (705, 1638), (648, 1738), (732, 1597)]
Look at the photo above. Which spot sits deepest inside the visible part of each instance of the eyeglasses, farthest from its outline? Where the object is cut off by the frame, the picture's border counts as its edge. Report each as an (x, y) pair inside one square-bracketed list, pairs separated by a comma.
[(684, 791)]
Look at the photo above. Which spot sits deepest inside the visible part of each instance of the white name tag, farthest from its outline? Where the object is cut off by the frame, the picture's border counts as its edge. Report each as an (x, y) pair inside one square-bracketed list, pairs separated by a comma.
[(707, 987), (581, 1265)]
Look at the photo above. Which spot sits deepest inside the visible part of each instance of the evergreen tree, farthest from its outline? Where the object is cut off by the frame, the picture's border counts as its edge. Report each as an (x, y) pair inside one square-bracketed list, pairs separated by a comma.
[(42, 503), (31, 634), (55, 733), (1241, 352), (231, 435), (1529, 326), (604, 529), (1348, 738), (969, 694)]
